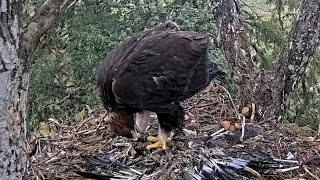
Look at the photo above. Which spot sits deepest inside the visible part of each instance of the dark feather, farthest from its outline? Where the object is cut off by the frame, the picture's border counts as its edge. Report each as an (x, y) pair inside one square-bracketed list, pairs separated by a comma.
[(215, 72), (155, 70), (95, 176), (237, 168), (117, 57), (108, 163), (163, 68)]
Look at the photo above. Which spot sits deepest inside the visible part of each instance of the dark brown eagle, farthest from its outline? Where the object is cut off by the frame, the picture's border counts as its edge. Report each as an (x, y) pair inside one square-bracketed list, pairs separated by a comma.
[(153, 71)]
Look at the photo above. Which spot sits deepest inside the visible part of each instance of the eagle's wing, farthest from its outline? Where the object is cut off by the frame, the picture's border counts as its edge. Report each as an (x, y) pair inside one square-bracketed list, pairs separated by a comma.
[(163, 68), (117, 56)]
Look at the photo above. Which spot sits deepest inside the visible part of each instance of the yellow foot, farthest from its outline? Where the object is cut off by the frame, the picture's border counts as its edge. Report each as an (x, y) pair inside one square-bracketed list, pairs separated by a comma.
[(158, 143), (152, 138)]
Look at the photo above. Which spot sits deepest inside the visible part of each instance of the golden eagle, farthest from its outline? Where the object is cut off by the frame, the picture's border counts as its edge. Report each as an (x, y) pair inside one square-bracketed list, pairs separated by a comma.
[(153, 71)]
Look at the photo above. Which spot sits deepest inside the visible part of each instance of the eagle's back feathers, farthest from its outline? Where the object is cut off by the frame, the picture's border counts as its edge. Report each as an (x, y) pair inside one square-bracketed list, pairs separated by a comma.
[(156, 69)]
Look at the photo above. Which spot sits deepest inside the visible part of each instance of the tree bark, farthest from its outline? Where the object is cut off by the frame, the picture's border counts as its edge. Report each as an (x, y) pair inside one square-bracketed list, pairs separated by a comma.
[(13, 90), (269, 88), (233, 40), (274, 87), (15, 50), (41, 22)]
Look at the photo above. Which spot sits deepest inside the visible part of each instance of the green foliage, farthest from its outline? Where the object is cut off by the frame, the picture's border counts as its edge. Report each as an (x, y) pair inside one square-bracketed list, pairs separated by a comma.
[(266, 36), (269, 23), (66, 62)]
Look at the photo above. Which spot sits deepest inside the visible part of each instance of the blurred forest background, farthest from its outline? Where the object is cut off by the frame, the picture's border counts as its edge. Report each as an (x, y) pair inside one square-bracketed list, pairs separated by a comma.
[(64, 67)]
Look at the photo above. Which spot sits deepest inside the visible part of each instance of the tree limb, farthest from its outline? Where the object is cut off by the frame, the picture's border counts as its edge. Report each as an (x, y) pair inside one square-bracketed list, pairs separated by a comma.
[(41, 22)]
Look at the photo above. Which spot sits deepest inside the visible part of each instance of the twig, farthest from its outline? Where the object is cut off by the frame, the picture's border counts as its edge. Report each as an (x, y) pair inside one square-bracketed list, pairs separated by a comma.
[(223, 107), (220, 135), (252, 8), (98, 127), (39, 146), (195, 104), (153, 174), (253, 105), (286, 161), (136, 171), (86, 132), (286, 169), (312, 175), (234, 106), (83, 123), (243, 124), (56, 139), (253, 172), (59, 102), (209, 104), (217, 132), (316, 151)]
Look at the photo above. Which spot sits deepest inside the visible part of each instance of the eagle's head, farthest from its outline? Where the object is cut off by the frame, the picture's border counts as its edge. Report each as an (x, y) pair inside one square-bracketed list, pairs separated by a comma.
[(121, 122)]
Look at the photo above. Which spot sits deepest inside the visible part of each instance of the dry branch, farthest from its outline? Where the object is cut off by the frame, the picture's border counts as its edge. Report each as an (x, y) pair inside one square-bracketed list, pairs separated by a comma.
[(41, 22)]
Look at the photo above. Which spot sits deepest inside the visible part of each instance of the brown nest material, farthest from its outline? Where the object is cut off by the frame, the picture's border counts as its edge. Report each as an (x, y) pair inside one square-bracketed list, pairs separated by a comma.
[(88, 148)]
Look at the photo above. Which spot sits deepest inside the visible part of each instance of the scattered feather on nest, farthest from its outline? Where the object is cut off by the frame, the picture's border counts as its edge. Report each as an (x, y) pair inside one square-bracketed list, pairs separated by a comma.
[(87, 149)]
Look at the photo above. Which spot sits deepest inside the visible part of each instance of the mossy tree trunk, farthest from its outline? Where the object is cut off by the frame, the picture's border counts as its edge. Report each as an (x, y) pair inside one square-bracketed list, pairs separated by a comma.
[(16, 48), (269, 88)]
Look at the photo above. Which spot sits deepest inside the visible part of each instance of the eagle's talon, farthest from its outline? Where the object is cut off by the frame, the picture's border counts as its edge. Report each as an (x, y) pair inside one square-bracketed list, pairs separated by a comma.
[(152, 138), (157, 144)]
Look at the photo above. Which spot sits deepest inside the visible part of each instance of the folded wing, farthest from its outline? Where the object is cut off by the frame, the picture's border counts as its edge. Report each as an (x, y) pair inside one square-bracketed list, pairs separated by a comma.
[(163, 68)]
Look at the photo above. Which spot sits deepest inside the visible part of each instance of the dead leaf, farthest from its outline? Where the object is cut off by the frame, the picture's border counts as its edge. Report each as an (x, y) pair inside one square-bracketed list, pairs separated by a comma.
[(80, 116)]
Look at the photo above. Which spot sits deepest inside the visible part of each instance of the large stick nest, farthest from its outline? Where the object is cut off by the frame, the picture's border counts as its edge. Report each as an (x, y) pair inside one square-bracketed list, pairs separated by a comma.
[(64, 151)]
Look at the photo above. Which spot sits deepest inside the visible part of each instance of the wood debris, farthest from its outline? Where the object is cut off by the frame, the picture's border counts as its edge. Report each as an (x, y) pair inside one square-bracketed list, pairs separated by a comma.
[(87, 148)]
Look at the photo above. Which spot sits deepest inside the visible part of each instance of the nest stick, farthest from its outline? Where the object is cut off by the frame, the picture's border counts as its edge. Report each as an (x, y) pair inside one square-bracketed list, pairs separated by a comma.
[(234, 106), (217, 132), (253, 105), (286, 169), (286, 161), (243, 124), (253, 172), (312, 175)]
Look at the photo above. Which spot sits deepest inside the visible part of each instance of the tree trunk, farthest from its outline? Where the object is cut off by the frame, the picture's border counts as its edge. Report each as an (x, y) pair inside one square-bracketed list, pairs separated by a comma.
[(235, 45), (13, 91), (269, 88), (14, 76)]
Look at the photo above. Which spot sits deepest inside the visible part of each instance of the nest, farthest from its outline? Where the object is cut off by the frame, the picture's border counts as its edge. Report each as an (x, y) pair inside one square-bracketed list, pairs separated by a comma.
[(89, 149)]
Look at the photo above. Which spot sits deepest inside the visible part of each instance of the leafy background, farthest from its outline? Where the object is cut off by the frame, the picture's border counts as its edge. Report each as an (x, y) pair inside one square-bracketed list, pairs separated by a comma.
[(65, 64)]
